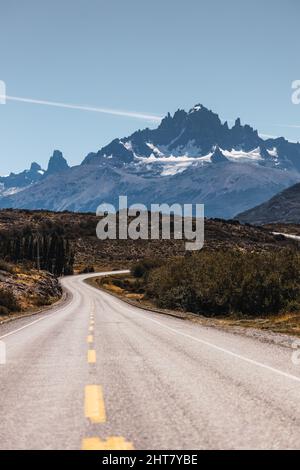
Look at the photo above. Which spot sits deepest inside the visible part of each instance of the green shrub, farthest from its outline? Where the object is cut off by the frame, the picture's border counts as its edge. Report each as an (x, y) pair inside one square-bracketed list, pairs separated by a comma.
[(4, 266), (142, 268), (3, 311), (222, 283), (293, 306), (87, 269), (8, 300), (42, 300)]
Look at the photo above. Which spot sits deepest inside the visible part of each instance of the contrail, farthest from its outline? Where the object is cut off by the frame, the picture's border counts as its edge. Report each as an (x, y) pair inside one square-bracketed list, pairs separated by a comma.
[(290, 126), (114, 112)]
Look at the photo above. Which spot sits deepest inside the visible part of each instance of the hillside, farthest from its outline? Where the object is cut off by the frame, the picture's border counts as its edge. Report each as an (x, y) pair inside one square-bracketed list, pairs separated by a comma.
[(32, 243), (79, 231), (23, 288), (282, 208)]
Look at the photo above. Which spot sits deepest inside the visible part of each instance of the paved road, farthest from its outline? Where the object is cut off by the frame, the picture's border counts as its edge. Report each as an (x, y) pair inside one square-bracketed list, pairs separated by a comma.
[(99, 373), (288, 235)]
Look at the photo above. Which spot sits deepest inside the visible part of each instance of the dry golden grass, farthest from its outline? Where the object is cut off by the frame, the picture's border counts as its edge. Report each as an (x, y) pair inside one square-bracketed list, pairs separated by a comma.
[(134, 296), (112, 288)]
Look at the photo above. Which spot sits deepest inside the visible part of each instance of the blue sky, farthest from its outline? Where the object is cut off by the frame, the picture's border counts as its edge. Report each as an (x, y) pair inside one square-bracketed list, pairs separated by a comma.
[(237, 58)]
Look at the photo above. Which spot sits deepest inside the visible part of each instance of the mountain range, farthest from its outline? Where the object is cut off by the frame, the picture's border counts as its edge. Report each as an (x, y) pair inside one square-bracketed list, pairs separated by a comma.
[(282, 208), (191, 157), (14, 183)]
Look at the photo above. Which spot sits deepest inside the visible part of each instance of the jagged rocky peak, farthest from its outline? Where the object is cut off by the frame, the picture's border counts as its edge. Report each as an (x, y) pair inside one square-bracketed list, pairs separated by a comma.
[(218, 156), (192, 156), (196, 108), (169, 127), (116, 153), (22, 179), (35, 167), (57, 163), (201, 112), (194, 132)]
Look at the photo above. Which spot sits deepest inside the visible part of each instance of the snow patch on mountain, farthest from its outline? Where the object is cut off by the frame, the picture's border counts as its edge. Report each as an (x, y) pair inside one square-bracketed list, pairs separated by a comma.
[(253, 156), (191, 157), (11, 191)]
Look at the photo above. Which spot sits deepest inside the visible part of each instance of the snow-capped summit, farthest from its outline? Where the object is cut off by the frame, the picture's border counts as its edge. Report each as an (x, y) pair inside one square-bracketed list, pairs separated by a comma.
[(194, 136), (195, 108), (191, 157)]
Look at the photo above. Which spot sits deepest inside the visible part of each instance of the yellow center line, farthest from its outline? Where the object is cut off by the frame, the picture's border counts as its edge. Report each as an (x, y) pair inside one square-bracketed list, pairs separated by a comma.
[(91, 356), (90, 339), (112, 443), (91, 328), (94, 404)]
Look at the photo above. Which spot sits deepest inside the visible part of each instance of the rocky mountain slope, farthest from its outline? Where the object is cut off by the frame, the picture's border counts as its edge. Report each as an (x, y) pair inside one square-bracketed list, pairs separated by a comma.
[(192, 157), (14, 183), (282, 208)]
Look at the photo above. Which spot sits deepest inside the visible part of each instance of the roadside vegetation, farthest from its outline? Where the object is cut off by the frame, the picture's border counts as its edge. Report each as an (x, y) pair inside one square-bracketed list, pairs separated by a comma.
[(243, 270), (225, 283), (218, 284), (8, 302), (24, 288), (63, 242)]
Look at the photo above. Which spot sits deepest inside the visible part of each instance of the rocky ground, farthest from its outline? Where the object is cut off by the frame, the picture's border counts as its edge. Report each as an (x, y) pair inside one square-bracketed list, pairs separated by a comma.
[(28, 290)]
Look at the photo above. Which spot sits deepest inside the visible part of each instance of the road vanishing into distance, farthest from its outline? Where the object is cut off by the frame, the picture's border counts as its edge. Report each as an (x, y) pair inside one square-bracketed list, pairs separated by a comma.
[(288, 235), (97, 373)]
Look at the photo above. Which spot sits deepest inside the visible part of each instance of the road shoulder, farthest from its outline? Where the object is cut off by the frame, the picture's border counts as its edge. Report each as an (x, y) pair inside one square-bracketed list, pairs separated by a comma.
[(262, 331)]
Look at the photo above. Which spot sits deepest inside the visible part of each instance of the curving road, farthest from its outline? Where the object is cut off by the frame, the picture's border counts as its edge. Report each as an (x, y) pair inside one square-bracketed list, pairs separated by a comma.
[(288, 235), (96, 373)]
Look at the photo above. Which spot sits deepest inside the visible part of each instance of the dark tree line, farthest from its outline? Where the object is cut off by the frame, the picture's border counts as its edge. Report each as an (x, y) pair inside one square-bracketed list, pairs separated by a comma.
[(47, 248)]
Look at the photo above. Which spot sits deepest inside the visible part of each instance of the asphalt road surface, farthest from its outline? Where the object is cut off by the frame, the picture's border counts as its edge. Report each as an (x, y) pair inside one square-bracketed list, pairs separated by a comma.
[(97, 373)]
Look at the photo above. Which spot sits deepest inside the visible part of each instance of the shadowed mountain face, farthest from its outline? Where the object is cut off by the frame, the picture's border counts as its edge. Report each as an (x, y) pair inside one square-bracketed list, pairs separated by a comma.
[(57, 163), (192, 157), (282, 208), (15, 183)]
